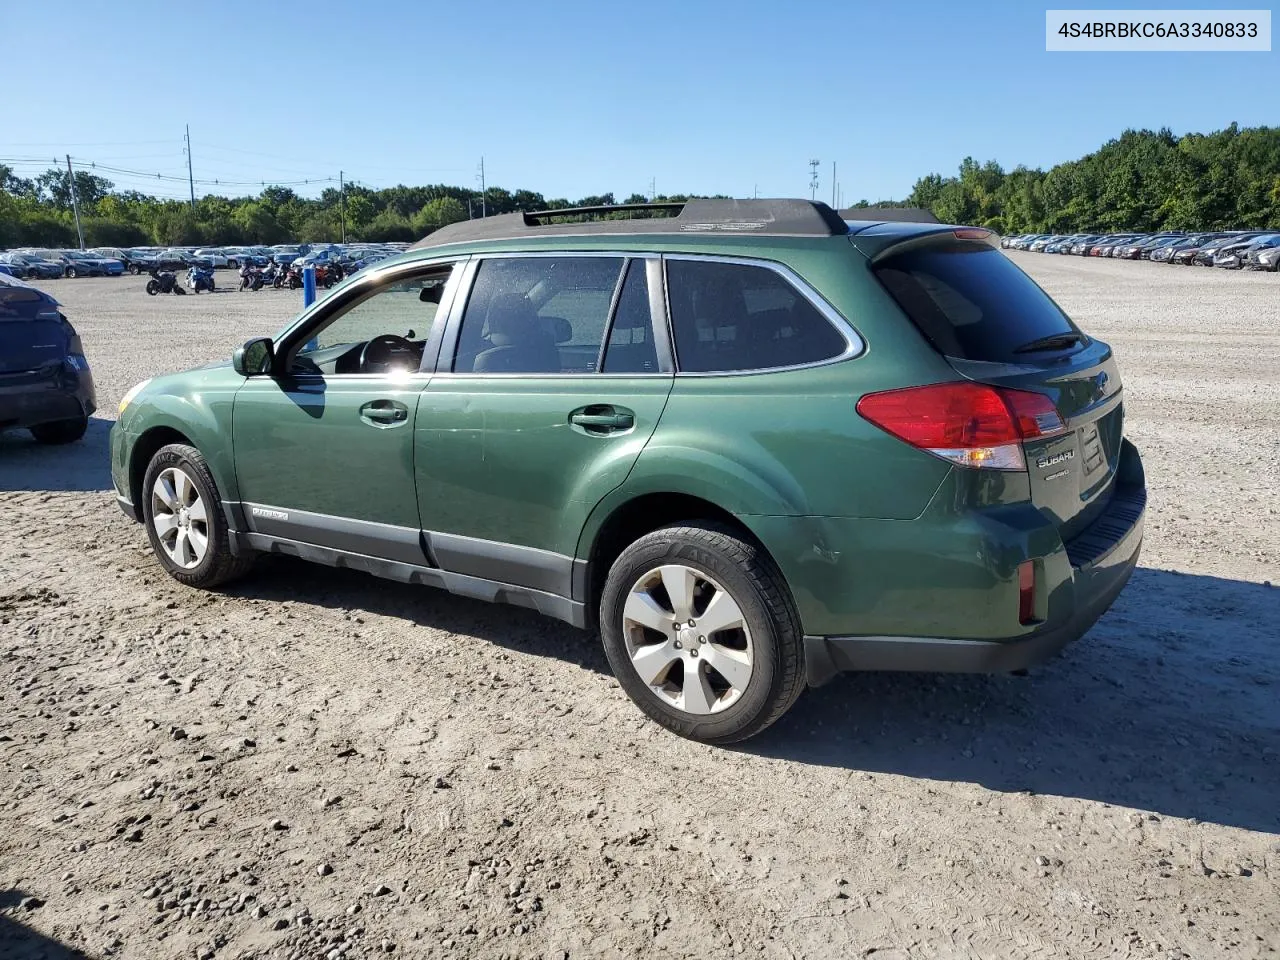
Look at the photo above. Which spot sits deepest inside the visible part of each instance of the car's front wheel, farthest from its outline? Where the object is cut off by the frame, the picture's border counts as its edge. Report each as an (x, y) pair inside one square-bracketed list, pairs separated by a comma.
[(700, 631), (185, 522), (71, 273), (60, 431)]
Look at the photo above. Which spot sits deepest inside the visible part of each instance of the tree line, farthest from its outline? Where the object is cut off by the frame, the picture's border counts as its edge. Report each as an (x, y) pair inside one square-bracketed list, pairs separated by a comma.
[(38, 212), (1143, 181)]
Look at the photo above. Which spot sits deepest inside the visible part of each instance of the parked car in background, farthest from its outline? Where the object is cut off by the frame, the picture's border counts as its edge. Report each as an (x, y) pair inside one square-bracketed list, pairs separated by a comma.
[(141, 261), (1204, 257), (1264, 254), (1165, 252), (1230, 256), (81, 263), (172, 259), (1081, 247), (125, 256), (45, 382), (1140, 248), (212, 258), (1185, 253), (30, 267)]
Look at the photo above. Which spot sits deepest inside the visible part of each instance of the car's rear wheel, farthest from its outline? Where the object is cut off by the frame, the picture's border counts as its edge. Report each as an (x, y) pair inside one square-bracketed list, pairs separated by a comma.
[(184, 519), (135, 269), (61, 431), (71, 272), (700, 631)]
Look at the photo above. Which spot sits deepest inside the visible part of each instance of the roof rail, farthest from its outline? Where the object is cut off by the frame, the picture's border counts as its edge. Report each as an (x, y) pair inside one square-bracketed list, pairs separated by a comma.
[(536, 215), (895, 214), (786, 218)]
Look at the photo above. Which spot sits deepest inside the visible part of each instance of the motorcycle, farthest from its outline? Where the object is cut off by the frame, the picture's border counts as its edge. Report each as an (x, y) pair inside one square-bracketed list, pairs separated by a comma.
[(255, 278), (293, 279), (328, 274), (164, 281), (200, 278)]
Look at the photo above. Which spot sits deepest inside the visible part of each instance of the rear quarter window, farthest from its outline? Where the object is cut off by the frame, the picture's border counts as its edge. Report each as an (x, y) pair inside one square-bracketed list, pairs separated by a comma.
[(970, 301), (729, 317)]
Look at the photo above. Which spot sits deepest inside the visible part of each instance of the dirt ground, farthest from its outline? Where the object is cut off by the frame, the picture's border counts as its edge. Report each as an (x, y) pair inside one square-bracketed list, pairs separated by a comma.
[(318, 764)]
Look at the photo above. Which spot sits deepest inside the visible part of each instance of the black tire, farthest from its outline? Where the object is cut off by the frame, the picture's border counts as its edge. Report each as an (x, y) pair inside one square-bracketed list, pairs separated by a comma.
[(135, 269), (211, 286), (754, 582), (153, 287), (70, 273), (218, 565), (233, 264), (177, 288), (61, 431), (33, 274)]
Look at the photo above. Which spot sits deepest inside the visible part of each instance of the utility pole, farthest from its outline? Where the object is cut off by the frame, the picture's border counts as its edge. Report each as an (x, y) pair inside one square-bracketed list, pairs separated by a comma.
[(75, 203), (483, 209), (653, 189), (834, 202), (190, 177), (813, 179), (755, 192), (342, 200)]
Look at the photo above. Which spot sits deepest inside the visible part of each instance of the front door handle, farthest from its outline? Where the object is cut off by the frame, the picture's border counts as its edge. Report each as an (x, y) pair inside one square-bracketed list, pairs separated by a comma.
[(602, 418), (384, 413)]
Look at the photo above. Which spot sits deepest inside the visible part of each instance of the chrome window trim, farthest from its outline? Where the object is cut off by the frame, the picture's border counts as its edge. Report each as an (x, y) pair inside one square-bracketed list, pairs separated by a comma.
[(855, 346)]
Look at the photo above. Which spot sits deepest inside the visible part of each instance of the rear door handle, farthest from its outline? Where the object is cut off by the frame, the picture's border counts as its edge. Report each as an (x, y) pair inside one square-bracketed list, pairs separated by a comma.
[(384, 413), (602, 418)]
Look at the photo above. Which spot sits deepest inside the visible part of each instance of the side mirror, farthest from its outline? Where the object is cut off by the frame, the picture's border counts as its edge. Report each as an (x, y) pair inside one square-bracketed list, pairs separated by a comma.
[(254, 358)]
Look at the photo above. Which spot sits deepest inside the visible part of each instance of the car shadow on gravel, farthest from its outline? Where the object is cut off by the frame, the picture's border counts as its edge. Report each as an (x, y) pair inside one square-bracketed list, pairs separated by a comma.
[(1171, 704), (20, 942), (84, 465), (287, 578)]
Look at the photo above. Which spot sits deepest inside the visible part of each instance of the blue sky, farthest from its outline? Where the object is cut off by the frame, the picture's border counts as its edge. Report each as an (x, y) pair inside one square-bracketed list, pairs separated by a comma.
[(572, 98)]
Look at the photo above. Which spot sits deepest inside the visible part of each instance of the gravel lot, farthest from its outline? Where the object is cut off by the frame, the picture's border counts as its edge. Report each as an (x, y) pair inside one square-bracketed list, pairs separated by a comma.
[(320, 764)]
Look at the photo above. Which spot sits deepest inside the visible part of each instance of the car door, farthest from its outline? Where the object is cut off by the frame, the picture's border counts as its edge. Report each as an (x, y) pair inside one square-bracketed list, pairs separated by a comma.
[(324, 446), (551, 380)]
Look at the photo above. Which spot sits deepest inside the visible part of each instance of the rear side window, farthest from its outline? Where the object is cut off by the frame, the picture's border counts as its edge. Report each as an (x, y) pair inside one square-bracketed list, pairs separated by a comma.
[(971, 302), (537, 315), (729, 316), (631, 346)]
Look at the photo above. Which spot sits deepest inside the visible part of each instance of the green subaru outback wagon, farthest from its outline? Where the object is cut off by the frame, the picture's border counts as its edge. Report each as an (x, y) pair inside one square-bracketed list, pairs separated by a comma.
[(751, 443)]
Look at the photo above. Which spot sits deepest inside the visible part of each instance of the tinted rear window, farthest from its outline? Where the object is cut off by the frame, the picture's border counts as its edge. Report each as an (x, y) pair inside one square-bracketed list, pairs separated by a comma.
[(971, 302)]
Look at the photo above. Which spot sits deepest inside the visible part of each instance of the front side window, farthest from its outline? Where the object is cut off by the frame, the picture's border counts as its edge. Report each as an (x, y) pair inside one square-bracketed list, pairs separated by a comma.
[(385, 331), (729, 317), (537, 315)]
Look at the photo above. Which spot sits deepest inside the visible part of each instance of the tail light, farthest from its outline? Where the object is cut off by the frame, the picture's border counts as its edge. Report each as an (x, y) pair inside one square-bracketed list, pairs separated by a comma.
[(970, 424)]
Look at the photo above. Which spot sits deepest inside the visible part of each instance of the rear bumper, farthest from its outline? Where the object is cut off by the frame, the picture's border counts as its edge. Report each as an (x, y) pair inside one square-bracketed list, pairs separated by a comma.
[(27, 400), (1101, 561)]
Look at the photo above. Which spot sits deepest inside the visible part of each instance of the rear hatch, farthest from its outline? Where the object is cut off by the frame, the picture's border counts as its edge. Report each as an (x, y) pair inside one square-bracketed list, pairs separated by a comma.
[(995, 325), (33, 334)]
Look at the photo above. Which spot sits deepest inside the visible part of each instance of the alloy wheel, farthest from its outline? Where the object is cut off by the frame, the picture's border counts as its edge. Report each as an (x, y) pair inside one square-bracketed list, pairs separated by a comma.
[(688, 639), (180, 518)]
